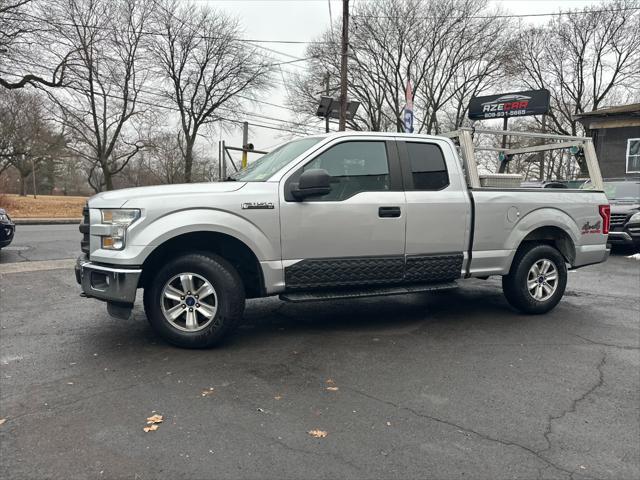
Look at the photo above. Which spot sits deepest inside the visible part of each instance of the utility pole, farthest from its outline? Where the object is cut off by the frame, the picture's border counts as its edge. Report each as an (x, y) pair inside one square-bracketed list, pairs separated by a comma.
[(326, 86), (544, 130), (343, 66), (245, 143), (220, 160), (223, 162), (33, 175), (504, 163)]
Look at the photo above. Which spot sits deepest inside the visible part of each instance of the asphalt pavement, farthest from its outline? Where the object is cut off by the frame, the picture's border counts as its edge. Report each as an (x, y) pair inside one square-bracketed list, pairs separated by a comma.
[(439, 386), (42, 242)]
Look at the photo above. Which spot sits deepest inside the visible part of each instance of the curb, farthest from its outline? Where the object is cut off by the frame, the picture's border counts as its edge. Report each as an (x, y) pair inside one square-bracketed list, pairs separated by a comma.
[(25, 267), (46, 221)]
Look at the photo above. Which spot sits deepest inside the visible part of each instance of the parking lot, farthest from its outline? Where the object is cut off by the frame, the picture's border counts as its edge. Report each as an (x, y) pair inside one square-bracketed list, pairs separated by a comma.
[(449, 385)]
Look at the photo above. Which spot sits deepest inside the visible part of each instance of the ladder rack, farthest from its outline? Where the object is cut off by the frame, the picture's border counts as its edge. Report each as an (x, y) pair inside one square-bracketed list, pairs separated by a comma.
[(465, 136)]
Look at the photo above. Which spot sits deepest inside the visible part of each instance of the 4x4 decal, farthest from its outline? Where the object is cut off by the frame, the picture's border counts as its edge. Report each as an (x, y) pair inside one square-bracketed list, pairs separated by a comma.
[(591, 228)]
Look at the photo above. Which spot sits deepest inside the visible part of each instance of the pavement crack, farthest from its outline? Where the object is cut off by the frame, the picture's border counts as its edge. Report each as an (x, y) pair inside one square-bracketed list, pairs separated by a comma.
[(574, 403), (463, 429), (340, 459), (603, 344)]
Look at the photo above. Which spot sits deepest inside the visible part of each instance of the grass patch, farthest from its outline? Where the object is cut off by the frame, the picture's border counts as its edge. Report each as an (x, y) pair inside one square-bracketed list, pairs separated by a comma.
[(44, 206)]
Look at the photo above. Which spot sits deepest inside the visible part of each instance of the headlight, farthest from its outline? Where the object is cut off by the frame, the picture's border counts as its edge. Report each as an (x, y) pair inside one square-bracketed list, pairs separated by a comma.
[(635, 217), (120, 219), (4, 218)]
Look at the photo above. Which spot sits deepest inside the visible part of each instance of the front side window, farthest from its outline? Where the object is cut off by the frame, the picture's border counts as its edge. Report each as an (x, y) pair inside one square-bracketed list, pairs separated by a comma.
[(354, 167), (428, 167), (633, 155)]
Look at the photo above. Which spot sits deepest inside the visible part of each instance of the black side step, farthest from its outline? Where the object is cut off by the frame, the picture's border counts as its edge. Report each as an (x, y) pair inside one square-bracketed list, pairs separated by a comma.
[(369, 292)]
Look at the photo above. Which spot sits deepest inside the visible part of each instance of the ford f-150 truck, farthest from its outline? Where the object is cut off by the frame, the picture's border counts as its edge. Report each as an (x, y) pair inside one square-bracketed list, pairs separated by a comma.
[(333, 216)]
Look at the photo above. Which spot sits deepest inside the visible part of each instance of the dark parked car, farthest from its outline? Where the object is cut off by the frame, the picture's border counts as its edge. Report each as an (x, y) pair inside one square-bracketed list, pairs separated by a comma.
[(624, 198), (7, 228)]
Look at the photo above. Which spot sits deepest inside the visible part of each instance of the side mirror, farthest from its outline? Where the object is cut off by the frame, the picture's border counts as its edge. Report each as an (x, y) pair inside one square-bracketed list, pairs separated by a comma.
[(311, 183)]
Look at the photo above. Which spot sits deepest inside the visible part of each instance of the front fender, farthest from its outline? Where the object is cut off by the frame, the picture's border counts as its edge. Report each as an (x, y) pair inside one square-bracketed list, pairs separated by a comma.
[(145, 236), (208, 220)]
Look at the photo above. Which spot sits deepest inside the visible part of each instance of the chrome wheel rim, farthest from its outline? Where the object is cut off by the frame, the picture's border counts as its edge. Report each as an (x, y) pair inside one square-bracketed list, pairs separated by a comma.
[(542, 280), (189, 302)]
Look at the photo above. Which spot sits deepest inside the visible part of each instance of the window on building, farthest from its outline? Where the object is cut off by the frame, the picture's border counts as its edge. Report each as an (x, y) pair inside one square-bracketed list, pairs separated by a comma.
[(427, 166), (633, 155)]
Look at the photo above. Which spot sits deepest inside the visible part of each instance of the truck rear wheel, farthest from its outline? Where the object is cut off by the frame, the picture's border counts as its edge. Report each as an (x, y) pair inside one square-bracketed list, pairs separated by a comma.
[(195, 300), (537, 279)]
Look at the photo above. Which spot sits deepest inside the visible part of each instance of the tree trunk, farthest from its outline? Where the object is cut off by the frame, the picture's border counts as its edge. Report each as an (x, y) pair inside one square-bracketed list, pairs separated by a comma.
[(108, 179), (188, 159), (23, 185)]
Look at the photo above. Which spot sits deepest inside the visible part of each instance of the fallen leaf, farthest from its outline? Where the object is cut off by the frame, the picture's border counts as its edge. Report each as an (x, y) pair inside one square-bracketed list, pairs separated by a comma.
[(317, 433), (2, 420), (277, 397), (154, 419), (208, 392), (150, 428), (332, 389)]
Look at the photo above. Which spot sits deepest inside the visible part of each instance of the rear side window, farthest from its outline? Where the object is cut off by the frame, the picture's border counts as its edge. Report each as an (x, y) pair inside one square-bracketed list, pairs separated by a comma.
[(428, 168)]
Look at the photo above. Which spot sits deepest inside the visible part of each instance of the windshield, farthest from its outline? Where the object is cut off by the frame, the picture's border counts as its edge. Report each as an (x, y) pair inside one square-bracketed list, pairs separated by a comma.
[(619, 190), (622, 190), (263, 168)]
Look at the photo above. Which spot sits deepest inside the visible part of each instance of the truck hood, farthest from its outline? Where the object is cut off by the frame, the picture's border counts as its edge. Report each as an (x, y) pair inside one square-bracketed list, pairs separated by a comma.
[(118, 198), (624, 207)]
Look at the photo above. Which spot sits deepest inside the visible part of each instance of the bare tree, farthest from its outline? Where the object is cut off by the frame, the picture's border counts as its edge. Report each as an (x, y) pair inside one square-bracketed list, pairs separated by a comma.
[(449, 49), (586, 61), (100, 107), (27, 138), (29, 52), (165, 157), (206, 65)]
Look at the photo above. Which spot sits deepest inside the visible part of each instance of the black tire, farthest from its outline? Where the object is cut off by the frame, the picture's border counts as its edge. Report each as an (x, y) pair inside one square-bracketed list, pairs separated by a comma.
[(230, 299), (515, 284)]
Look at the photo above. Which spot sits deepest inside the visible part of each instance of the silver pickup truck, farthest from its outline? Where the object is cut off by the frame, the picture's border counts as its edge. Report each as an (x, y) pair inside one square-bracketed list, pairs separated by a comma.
[(333, 216)]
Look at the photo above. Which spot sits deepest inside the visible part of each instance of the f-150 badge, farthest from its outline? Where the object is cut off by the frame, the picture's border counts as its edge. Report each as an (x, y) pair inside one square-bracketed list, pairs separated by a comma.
[(258, 206)]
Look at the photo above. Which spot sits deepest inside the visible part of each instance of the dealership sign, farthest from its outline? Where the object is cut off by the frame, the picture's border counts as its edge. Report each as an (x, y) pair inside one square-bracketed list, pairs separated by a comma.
[(517, 104)]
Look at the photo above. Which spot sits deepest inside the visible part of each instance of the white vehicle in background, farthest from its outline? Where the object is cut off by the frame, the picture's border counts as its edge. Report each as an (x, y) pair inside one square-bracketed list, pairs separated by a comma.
[(344, 215)]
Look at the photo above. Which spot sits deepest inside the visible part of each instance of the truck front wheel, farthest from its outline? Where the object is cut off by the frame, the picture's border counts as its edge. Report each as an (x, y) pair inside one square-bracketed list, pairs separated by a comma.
[(195, 300), (537, 279)]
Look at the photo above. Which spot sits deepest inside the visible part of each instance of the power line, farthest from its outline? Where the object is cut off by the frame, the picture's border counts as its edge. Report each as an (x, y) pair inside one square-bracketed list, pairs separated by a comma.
[(162, 95), (162, 34), (515, 15), (176, 109)]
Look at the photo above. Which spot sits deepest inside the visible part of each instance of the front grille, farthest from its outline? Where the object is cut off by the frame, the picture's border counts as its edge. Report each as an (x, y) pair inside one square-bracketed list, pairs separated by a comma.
[(84, 230), (618, 219)]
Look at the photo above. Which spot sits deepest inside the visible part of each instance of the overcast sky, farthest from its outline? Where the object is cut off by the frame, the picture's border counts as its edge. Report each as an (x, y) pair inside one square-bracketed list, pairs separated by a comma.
[(303, 20)]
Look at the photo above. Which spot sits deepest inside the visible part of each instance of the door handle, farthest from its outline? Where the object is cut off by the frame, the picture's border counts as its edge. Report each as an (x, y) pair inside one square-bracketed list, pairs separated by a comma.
[(389, 212)]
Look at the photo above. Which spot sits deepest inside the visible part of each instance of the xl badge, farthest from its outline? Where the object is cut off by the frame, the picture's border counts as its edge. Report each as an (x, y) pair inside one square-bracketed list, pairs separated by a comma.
[(258, 206)]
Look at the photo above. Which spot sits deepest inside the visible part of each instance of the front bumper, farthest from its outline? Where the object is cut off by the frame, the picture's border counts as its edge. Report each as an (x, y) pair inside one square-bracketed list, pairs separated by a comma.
[(107, 283), (7, 230), (629, 236)]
